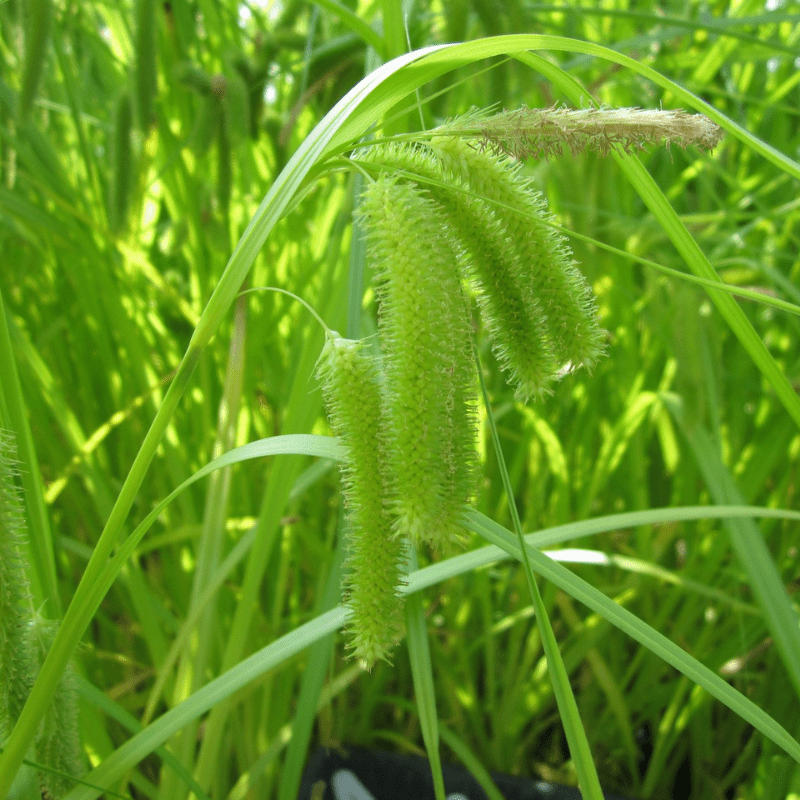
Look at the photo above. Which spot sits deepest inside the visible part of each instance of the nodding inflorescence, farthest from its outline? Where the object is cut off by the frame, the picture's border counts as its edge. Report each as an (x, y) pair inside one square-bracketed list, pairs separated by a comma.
[(445, 216), (546, 132), (428, 425), (537, 308), (351, 387)]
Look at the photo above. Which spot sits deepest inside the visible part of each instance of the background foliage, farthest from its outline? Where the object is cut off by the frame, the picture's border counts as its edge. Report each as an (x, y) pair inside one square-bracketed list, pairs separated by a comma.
[(152, 133)]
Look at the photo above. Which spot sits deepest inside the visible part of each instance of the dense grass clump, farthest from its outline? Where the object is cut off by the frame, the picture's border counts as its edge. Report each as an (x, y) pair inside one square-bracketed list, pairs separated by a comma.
[(177, 514)]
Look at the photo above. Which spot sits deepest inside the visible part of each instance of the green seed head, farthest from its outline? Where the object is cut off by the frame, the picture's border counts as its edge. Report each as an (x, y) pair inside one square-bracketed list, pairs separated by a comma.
[(17, 666), (548, 283), (535, 306), (58, 742), (25, 638), (545, 132), (429, 429), (375, 556)]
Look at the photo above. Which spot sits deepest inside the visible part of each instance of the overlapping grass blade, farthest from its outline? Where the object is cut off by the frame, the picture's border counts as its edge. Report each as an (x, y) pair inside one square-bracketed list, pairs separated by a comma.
[(211, 695), (272, 656), (638, 630), (347, 122), (13, 417), (750, 547), (581, 753), (424, 689)]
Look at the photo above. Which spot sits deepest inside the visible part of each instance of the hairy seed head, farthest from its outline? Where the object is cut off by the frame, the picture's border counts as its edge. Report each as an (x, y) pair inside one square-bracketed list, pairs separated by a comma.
[(58, 742), (537, 308), (429, 426), (545, 132), (17, 666), (549, 281), (375, 556)]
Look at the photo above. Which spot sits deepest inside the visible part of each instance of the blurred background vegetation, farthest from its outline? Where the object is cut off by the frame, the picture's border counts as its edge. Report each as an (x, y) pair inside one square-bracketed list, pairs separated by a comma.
[(134, 149)]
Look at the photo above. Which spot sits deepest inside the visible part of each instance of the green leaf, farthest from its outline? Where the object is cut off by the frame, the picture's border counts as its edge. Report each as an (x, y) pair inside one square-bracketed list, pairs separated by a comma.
[(639, 630)]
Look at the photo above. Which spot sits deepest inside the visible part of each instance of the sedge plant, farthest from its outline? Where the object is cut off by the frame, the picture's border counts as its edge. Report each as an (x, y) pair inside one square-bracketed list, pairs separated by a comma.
[(412, 437), (439, 174)]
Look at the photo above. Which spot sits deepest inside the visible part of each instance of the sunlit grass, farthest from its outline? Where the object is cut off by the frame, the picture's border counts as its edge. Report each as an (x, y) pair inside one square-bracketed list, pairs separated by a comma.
[(687, 409)]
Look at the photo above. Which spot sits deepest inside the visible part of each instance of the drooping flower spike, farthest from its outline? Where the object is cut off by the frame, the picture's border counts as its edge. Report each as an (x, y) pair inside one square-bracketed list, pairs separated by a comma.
[(548, 279), (375, 556), (536, 306), (430, 390)]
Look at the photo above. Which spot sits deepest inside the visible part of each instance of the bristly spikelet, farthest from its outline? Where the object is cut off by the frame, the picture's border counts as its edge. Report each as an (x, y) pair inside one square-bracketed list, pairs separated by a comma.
[(375, 557), (516, 324), (429, 414), (548, 277), (22, 650), (17, 666), (544, 132)]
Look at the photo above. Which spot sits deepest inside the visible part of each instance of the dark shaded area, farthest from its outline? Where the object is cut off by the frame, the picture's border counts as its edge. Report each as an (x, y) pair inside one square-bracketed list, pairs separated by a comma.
[(408, 777)]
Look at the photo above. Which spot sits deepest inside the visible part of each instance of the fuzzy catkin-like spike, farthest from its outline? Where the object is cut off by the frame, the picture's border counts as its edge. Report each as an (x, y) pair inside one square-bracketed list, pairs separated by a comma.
[(545, 271), (515, 322), (429, 427), (17, 666), (545, 132), (373, 569)]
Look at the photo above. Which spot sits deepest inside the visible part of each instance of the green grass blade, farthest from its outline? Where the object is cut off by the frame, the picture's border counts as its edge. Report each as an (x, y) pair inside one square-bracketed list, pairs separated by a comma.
[(86, 602), (82, 608), (751, 550), (424, 692), (638, 630), (662, 210), (319, 660), (139, 746), (700, 265), (356, 24), (580, 751), (92, 695), (475, 559), (718, 26), (736, 291), (212, 694), (471, 762), (13, 416), (394, 27)]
